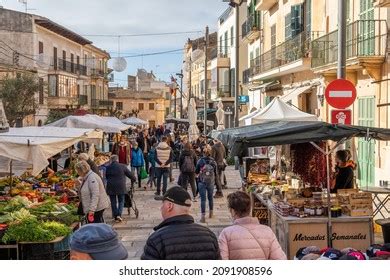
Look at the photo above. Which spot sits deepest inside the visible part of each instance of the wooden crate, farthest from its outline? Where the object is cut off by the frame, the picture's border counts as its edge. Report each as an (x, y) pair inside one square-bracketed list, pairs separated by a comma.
[(360, 212), (347, 191)]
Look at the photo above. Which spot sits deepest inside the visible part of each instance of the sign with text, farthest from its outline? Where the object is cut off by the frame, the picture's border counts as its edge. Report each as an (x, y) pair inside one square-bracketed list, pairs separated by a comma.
[(341, 117), (244, 99), (340, 94)]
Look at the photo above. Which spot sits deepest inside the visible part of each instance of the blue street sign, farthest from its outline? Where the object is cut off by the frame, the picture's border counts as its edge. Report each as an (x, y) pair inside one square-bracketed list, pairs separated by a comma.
[(244, 99)]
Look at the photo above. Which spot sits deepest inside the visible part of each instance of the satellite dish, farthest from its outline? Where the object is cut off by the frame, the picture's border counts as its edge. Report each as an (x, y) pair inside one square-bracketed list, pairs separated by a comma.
[(119, 64)]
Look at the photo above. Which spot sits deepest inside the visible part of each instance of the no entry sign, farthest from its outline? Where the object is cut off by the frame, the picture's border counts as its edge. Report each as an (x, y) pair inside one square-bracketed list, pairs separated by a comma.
[(340, 94), (341, 117)]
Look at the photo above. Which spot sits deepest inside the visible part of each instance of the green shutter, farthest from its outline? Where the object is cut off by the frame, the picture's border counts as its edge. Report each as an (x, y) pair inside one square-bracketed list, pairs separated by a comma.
[(366, 38), (366, 149)]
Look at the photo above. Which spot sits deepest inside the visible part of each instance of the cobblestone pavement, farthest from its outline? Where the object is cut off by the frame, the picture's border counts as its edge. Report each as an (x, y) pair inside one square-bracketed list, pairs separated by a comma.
[(134, 232)]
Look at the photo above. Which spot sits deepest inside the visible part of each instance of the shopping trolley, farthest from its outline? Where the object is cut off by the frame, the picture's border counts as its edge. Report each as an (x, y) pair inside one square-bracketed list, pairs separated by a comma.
[(130, 202)]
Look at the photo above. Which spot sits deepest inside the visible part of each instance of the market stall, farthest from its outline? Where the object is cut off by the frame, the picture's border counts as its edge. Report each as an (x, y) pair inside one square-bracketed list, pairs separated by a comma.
[(105, 124), (38, 211), (301, 210), (134, 121)]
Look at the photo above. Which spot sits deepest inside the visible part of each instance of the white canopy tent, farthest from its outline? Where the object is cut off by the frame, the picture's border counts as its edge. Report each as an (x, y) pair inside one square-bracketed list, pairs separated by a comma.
[(278, 110), (193, 130), (35, 145), (90, 122), (116, 121), (220, 116), (134, 121)]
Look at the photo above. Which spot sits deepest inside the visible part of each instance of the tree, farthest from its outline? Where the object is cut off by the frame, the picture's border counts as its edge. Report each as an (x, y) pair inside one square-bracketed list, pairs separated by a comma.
[(18, 94), (57, 114)]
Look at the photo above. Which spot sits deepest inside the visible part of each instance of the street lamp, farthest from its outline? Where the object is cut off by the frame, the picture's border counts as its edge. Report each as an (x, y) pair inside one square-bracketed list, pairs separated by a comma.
[(180, 75)]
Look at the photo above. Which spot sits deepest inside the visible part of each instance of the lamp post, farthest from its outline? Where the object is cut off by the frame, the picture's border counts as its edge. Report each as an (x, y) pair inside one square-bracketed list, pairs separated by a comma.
[(180, 75)]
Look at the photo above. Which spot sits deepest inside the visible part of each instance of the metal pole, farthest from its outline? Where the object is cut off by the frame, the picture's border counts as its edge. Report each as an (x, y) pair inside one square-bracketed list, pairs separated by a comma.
[(329, 205), (205, 79), (342, 40), (174, 95), (237, 77), (190, 87), (181, 93)]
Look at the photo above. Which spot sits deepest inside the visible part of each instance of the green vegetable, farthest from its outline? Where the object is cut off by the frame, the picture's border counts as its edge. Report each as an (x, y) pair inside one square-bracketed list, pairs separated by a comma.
[(16, 204), (21, 215), (57, 229), (63, 218), (28, 230), (5, 219)]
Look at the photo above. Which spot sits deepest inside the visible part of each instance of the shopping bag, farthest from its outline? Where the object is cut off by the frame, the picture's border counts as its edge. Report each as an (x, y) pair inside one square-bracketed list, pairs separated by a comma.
[(144, 174)]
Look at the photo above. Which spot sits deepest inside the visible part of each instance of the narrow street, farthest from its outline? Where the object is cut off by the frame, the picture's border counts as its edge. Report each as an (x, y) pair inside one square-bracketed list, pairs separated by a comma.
[(134, 232)]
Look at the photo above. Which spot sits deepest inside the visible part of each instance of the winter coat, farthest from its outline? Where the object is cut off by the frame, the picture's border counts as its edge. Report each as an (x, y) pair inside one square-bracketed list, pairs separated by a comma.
[(183, 155), (152, 157), (203, 161), (179, 238), (141, 143), (249, 240), (137, 157), (218, 153), (163, 155), (116, 174), (93, 196)]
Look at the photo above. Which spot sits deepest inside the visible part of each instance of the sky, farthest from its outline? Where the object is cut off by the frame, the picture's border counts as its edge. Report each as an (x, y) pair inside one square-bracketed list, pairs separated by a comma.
[(129, 17)]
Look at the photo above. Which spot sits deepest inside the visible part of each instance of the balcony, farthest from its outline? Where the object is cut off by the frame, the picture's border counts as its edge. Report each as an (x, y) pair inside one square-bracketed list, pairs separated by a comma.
[(245, 76), (286, 58), (83, 100), (97, 73), (265, 5), (70, 67), (251, 28), (366, 46), (61, 102), (381, 3), (218, 59), (101, 104)]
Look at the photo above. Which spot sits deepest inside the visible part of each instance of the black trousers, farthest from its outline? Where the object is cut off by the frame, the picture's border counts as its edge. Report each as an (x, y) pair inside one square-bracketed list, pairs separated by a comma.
[(218, 179), (188, 178), (146, 162)]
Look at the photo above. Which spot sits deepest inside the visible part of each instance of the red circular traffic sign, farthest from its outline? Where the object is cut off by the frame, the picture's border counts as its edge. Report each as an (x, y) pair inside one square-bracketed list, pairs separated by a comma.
[(340, 94)]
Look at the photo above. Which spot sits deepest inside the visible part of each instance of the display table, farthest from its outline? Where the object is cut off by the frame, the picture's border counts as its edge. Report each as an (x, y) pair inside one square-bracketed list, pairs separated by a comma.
[(294, 233)]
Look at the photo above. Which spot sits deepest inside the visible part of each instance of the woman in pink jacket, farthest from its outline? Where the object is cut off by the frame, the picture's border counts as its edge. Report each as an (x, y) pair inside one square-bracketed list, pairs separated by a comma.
[(246, 239)]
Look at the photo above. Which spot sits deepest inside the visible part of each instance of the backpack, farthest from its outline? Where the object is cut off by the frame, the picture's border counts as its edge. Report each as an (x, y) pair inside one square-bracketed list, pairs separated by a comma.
[(206, 174), (188, 164)]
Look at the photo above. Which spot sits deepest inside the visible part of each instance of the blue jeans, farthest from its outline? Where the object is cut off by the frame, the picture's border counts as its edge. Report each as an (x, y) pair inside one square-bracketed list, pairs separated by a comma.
[(164, 174), (203, 191), (137, 172), (117, 208)]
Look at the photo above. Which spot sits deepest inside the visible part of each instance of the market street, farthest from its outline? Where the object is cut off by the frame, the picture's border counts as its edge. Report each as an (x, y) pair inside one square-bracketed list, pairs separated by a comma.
[(134, 232)]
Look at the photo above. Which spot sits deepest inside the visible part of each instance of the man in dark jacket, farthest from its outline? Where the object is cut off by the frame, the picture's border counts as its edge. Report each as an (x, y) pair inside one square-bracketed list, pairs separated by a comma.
[(178, 237), (187, 164), (218, 153), (116, 174)]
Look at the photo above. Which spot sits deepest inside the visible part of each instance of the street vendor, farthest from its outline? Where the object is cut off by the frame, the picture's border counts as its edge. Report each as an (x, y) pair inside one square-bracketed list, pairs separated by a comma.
[(344, 173)]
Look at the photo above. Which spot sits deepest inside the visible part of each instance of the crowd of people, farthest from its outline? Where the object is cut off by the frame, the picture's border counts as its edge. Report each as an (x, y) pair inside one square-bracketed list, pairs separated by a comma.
[(201, 164)]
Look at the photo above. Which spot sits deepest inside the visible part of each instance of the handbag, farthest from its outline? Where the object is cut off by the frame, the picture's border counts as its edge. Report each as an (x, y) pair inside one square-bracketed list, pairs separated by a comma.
[(143, 174)]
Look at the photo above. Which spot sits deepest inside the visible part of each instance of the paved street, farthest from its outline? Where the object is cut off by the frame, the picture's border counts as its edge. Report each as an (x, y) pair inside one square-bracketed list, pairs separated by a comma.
[(134, 232)]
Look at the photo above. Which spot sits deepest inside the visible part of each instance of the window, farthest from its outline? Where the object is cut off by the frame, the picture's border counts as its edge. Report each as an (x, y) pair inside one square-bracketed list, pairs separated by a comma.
[(67, 86), (140, 106), (296, 20), (52, 85), (40, 47), (85, 90), (78, 90), (308, 15), (41, 97), (231, 36), (78, 62), (220, 44), (287, 26), (226, 43), (72, 62), (119, 105), (151, 106), (233, 82), (55, 58)]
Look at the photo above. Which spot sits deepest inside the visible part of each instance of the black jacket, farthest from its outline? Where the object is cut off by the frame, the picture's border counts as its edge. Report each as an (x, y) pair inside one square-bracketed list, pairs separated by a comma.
[(185, 153), (141, 143), (116, 174), (218, 153), (179, 238)]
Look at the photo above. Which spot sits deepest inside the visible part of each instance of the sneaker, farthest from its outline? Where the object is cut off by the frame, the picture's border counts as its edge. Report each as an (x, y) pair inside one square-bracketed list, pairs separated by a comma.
[(118, 219), (157, 193), (202, 219), (158, 197)]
